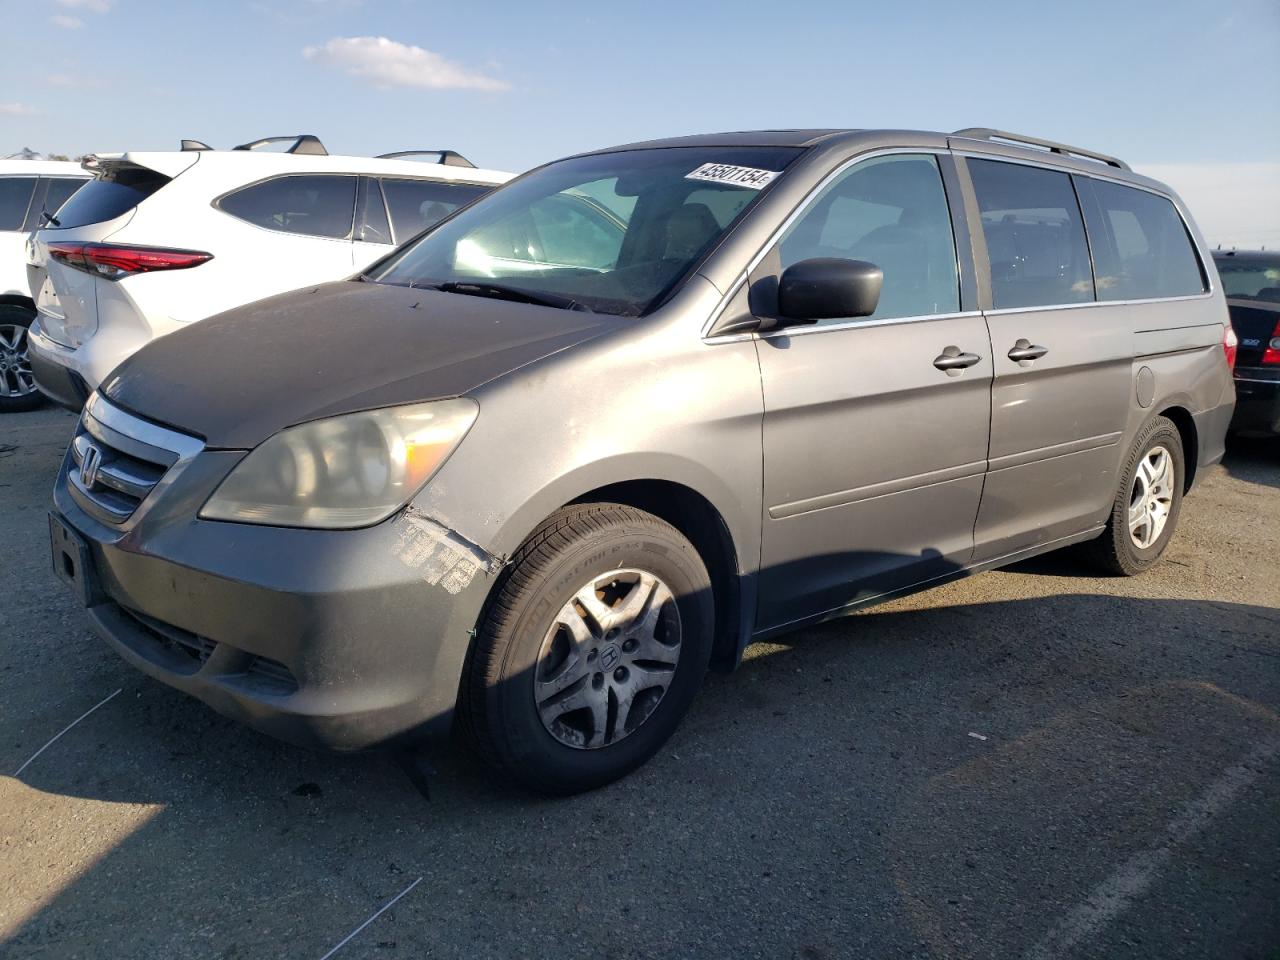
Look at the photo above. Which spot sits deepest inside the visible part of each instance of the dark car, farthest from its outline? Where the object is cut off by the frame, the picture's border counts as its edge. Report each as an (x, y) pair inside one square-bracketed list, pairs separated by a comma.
[(1251, 281), (594, 433)]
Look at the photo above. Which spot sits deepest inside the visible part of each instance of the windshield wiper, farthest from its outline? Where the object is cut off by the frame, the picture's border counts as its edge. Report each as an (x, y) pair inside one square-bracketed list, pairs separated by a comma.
[(502, 292), (47, 217)]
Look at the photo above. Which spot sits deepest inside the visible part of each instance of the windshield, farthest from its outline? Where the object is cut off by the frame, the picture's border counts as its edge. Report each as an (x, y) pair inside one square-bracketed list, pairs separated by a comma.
[(1250, 279), (610, 233)]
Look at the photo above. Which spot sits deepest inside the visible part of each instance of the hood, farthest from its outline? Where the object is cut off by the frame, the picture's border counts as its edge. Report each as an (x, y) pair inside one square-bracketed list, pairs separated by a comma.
[(237, 378)]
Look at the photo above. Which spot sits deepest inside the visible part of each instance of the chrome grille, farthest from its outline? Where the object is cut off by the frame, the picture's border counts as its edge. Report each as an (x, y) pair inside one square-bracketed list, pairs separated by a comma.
[(118, 460)]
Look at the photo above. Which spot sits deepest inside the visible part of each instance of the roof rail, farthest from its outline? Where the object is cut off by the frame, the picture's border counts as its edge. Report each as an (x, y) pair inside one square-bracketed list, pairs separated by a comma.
[(450, 158), (986, 133), (303, 143), (194, 145)]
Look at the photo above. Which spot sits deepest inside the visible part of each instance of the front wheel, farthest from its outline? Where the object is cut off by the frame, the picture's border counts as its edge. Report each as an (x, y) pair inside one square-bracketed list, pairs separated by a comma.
[(18, 389), (592, 649), (1145, 511)]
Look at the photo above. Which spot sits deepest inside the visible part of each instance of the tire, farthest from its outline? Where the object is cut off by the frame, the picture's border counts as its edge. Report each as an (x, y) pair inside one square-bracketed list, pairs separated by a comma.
[(17, 387), (519, 671), (1118, 551)]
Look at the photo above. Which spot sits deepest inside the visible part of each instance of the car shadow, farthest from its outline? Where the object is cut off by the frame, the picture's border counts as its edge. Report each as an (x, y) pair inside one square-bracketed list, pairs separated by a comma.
[(201, 837), (1254, 460)]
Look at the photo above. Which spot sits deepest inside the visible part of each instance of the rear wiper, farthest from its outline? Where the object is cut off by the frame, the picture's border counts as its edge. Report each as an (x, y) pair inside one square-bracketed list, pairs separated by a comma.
[(502, 292), (47, 217)]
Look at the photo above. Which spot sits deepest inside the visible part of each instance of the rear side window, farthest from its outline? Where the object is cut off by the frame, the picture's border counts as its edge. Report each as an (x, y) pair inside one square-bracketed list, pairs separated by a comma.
[(415, 205), (890, 211), (15, 197), (314, 206), (1141, 248), (107, 196), (59, 192), (1035, 235)]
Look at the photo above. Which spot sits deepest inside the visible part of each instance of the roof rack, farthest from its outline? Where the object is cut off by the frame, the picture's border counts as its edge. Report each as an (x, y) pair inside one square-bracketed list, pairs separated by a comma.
[(303, 143), (450, 158), (986, 133)]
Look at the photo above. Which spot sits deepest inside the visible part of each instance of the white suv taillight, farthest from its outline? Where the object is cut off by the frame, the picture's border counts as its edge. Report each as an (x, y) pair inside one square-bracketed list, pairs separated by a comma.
[(113, 260), (1229, 344)]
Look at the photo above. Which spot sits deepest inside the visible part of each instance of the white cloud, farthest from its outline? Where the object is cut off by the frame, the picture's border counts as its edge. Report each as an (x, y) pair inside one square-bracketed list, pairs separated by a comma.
[(67, 23), (16, 110), (1235, 204), (94, 6), (386, 63), (60, 80)]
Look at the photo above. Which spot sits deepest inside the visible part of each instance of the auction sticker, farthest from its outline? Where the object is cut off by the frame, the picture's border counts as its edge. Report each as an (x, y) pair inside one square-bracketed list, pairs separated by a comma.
[(728, 173)]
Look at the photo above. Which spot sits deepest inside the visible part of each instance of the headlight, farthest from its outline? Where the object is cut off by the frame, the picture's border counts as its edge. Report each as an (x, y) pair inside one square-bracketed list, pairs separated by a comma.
[(348, 471)]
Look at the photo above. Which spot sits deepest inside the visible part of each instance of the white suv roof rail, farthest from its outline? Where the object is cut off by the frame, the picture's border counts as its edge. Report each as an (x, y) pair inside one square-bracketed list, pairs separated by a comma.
[(303, 143), (450, 158)]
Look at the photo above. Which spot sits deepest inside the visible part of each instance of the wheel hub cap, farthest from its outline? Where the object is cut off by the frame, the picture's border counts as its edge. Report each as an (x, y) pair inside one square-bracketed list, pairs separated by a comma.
[(607, 659), (1151, 497)]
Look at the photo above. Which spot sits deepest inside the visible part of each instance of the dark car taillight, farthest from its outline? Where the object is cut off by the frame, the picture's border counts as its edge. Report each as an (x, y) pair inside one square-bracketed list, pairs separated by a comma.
[(1272, 353), (1230, 343), (113, 260)]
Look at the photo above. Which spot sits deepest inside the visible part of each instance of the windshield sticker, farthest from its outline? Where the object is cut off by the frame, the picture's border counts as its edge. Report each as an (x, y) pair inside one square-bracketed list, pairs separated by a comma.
[(728, 173)]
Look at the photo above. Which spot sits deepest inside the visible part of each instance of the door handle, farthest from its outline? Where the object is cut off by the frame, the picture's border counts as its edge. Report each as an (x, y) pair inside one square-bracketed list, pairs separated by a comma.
[(953, 360), (1024, 351)]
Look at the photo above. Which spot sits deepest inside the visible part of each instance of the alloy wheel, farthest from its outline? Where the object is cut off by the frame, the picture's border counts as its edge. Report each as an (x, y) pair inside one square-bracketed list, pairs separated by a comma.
[(16, 379), (1151, 498)]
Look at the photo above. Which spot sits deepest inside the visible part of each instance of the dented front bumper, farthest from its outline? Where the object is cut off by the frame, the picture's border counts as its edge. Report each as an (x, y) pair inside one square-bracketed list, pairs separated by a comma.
[(341, 639)]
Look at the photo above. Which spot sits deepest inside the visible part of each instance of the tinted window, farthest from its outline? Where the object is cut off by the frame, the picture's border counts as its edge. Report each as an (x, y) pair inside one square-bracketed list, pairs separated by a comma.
[(59, 192), (316, 206), (1140, 245), (15, 197), (890, 211), (631, 225), (418, 204), (109, 195), (1250, 279), (1035, 238), (373, 226)]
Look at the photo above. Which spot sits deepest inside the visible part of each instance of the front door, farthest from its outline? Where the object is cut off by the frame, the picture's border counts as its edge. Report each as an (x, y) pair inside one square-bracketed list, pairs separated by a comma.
[(875, 440)]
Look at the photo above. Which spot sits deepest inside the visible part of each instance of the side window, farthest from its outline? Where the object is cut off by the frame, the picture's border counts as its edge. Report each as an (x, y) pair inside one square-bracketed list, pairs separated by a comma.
[(1035, 236), (59, 192), (576, 232), (1141, 248), (15, 197), (372, 226), (579, 228), (417, 204), (890, 211), (315, 206)]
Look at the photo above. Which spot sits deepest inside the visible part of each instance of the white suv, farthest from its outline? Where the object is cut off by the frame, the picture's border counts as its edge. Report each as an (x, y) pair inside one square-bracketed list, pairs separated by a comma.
[(29, 189), (158, 240)]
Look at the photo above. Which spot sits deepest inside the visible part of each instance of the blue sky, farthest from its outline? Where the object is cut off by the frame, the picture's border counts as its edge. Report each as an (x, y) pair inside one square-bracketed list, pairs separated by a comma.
[(1191, 87)]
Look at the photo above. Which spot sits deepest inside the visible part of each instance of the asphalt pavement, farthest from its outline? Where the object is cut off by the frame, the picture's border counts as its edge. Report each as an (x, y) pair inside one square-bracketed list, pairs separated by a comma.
[(1030, 763)]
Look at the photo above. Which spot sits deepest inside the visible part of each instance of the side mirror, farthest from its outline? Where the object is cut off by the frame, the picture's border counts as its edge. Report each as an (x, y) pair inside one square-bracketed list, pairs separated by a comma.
[(826, 288)]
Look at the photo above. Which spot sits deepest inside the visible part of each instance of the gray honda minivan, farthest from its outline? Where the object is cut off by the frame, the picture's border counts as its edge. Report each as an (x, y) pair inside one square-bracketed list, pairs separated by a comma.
[(543, 466)]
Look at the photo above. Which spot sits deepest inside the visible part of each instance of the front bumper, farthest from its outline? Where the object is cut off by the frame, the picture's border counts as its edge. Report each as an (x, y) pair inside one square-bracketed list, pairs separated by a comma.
[(339, 639), (1257, 402)]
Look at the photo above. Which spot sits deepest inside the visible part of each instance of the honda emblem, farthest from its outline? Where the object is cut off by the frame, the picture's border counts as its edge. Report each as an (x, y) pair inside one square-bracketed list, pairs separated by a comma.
[(89, 466)]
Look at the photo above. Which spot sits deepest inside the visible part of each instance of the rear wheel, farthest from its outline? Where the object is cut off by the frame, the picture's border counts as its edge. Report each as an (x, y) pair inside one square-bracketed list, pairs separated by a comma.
[(591, 651), (1145, 511), (18, 389)]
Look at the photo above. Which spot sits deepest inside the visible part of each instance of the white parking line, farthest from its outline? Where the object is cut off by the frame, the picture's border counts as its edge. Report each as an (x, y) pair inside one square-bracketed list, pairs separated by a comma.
[(385, 908), (64, 730), (1113, 896)]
